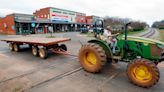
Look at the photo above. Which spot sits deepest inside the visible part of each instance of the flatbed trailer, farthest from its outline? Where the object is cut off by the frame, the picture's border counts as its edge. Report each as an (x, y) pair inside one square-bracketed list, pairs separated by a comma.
[(39, 45)]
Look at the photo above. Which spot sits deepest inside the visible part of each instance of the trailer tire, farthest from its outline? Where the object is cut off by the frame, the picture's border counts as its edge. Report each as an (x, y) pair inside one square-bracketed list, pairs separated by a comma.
[(16, 47), (11, 47), (43, 53), (35, 50), (63, 46)]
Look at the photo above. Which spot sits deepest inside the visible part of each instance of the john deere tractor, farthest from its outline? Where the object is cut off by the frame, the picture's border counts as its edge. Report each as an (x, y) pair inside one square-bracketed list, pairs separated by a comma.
[(141, 54)]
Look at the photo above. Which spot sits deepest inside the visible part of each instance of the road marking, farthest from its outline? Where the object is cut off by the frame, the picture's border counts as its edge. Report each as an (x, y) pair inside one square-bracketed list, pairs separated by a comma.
[(100, 89)]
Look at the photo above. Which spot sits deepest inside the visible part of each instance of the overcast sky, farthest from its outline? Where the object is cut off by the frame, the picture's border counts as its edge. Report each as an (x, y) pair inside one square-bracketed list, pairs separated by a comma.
[(144, 10)]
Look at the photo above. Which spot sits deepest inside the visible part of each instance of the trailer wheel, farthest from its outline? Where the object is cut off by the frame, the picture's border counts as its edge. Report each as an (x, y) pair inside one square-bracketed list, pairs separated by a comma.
[(16, 47), (11, 47), (43, 53), (63, 46), (143, 73), (35, 50)]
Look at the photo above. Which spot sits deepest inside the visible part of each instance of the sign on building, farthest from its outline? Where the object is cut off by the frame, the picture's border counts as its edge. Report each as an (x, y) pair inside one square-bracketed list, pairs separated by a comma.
[(62, 15)]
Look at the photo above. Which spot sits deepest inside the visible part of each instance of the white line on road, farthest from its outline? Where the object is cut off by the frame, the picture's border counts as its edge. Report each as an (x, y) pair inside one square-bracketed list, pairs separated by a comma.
[(100, 89)]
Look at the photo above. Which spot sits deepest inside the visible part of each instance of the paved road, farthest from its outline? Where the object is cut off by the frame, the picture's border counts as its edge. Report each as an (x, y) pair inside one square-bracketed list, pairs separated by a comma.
[(148, 33), (22, 71)]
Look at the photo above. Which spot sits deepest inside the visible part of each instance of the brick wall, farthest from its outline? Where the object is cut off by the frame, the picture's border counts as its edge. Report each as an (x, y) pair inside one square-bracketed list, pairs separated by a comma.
[(7, 25), (42, 13), (80, 19), (89, 19)]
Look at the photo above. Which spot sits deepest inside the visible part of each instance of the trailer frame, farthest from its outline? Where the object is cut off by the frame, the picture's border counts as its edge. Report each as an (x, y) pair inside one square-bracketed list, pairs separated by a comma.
[(39, 45)]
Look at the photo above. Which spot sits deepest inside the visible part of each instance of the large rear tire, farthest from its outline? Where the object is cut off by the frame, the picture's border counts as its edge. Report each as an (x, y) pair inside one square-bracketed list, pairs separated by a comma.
[(92, 57), (143, 73)]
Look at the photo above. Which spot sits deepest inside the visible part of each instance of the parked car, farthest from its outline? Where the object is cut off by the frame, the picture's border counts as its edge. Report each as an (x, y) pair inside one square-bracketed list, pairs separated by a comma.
[(84, 30)]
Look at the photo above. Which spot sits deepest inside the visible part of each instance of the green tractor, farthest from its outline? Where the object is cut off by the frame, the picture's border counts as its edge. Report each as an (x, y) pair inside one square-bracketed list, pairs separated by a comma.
[(141, 54)]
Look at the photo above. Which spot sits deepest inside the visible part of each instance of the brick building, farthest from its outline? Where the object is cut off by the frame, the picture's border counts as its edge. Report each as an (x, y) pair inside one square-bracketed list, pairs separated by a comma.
[(92, 19), (63, 20), (42, 19), (16, 24), (7, 25)]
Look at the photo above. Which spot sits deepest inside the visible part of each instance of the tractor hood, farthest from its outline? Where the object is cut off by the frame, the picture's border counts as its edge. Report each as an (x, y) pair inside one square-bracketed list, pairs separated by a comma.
[(145, 40)]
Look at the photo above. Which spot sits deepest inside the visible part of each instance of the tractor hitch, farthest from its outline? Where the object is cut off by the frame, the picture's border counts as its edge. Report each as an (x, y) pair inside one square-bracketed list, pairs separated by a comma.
[(161, 59)]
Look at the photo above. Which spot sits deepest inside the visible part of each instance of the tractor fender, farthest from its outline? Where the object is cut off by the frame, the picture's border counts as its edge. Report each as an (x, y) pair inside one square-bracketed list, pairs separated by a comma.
[(105, 46)]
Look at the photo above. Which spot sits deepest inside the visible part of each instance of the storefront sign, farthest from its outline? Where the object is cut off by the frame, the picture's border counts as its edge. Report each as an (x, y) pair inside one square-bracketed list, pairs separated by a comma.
[(62, 15), (23, 17)]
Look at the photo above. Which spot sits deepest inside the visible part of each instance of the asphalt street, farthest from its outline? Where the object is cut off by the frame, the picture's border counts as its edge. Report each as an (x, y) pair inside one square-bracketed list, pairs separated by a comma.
[(62, 73)]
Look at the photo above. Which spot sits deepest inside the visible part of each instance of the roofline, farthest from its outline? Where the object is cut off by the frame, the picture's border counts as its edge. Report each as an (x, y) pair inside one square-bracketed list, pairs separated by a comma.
[(66, 10), (19, 14)]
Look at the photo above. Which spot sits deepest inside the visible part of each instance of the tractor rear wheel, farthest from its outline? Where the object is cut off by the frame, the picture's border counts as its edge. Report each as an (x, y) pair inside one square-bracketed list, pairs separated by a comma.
[(92, 57), (143, 73)]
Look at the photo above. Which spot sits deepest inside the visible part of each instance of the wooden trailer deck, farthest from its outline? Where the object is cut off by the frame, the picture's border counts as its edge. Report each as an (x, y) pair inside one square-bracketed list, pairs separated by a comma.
[(38, 45), (37, 40)]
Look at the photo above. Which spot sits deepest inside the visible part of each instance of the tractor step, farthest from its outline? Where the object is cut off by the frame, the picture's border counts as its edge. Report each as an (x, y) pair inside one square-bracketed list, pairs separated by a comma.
[(117, 57)]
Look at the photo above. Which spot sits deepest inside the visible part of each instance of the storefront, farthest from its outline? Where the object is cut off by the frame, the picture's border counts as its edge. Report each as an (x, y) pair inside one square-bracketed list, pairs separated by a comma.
[(60, 20)]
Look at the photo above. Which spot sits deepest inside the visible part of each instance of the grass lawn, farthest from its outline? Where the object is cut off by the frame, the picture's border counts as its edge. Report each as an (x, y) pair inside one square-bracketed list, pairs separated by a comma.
[(136, 33), (161, 32)]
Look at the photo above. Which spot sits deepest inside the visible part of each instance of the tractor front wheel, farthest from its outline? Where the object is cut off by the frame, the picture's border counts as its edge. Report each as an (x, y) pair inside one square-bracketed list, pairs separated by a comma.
[(143, 73), (92, 57)]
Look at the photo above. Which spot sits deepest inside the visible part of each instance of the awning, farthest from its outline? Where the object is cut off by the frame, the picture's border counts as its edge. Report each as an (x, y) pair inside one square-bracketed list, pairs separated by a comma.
[(48, 22)]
